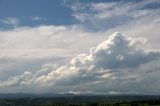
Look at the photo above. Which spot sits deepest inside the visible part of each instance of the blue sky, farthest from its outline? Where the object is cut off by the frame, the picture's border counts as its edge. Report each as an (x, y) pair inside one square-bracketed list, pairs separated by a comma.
[(54, 12), (80, 46), (50, 12)]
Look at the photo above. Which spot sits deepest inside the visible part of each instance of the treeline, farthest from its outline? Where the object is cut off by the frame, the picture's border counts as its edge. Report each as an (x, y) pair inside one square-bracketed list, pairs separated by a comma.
[(72, 101), (82, 104)]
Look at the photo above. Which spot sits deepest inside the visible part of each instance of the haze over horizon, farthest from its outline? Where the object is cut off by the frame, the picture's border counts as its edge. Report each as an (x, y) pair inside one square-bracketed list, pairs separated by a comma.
[(80, 46)]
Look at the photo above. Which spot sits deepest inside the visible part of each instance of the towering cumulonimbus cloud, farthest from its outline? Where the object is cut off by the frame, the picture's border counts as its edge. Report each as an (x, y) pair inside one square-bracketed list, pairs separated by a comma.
[(116, 65)]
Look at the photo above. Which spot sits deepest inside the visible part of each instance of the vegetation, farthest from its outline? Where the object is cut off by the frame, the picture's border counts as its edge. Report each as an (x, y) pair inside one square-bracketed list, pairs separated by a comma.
[(82, 101)]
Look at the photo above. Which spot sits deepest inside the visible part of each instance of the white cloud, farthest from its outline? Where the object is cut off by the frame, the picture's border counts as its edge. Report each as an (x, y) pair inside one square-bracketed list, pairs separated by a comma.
[(107, 15), (37, 18), (139, 19), (115, 65), (11, 21), (27, 48)]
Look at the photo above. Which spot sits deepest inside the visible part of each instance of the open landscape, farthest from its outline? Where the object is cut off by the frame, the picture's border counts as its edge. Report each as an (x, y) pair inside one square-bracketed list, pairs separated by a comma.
[(78, 100)]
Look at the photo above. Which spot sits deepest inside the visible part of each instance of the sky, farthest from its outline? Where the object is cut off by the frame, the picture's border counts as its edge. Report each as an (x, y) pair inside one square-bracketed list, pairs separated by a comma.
[(80, 46)]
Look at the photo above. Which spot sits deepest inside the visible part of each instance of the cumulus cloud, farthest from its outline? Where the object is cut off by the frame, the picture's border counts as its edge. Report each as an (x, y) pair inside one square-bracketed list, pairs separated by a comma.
[(115, 65), (138, 19), (27, 48)]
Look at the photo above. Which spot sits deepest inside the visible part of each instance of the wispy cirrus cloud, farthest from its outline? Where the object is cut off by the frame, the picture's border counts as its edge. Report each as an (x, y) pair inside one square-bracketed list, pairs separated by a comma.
[(107, 15), (37, 18), (131, 17), (14, 22)]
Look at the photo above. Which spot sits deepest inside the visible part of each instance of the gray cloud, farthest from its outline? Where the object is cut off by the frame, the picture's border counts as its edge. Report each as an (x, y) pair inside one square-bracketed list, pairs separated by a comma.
[(115, 65)]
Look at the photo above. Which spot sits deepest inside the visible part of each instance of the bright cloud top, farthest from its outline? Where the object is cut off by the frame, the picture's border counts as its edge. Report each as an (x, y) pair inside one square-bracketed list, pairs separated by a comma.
[(116, 65)]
